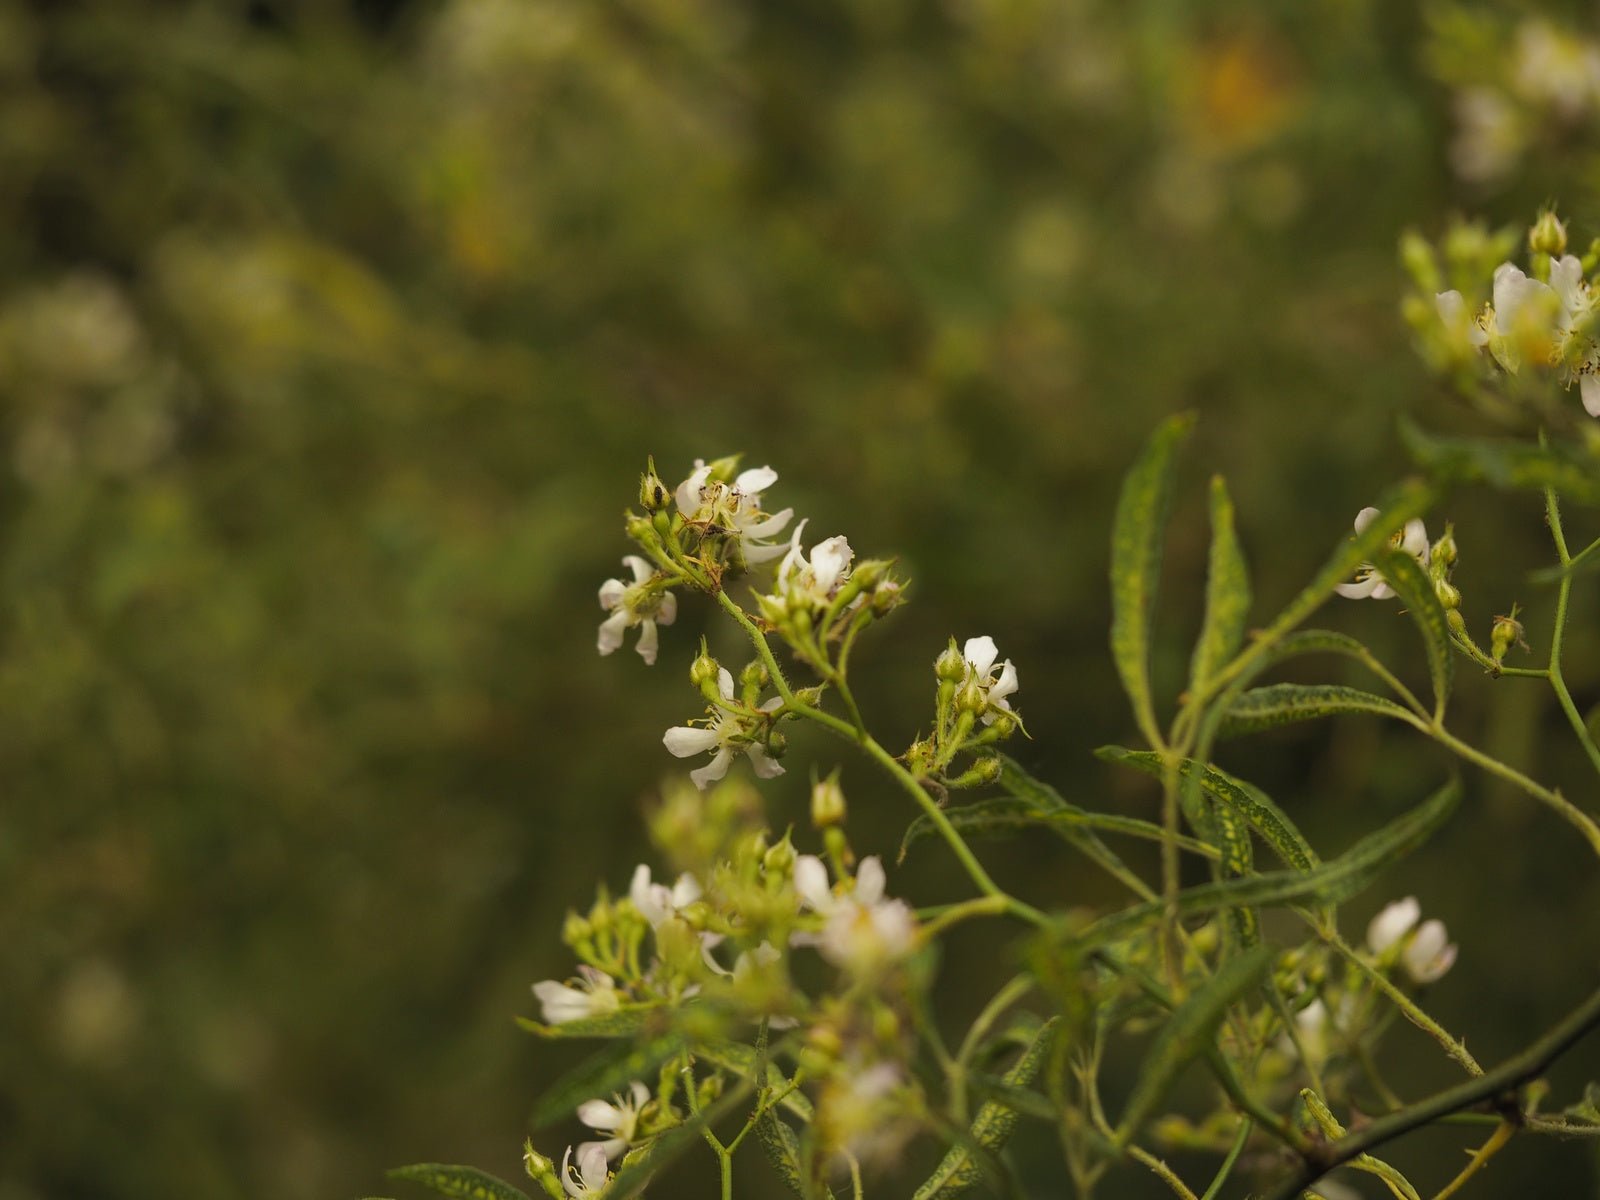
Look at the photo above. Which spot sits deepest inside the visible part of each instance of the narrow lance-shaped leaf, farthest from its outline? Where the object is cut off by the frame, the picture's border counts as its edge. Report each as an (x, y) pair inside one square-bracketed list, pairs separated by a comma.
[(1288, 703), (1227, 593), (1508, 465), (1000, 816), (991, 1128), (1331, 883), (1187, 1034), (1136, 537), (606, 1072), (1417, 593), (465, 1183), (782, 1147), (1249, 801), (624, 1022)]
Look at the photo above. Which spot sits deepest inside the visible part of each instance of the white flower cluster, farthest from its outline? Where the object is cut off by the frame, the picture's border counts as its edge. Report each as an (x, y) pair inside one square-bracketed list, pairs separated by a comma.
[(734, 510), (1425, 951), (731, 728), (1530, 321)]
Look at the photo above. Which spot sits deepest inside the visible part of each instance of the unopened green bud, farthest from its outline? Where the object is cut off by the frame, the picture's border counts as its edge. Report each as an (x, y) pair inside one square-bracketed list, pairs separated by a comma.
[(575, 929), (777, 744), (779, 859), (710, 1089), (868, 573), (725, 468), (1003, 726), (971, 699), (1507, 632), (653, 494), (754, 677), (887, 597), (950, 666), (984, 771), (640, 529), (704, 672), (827, 802), (1457, 623), (1449, 594), (1417, 256), (1548, 235), (542, 1171), (810, 696), (1444, 553)]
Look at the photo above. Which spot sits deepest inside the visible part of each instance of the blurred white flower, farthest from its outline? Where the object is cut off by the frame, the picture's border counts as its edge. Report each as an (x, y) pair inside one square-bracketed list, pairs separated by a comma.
[(655, 901), (1489, 135), (1413, 539), (862, 930), (1395, 921), (590, 1176), (725, 732), (734, 509), (1426, 954), (808, 582), (1552, 67), (635, 604), (980, 653), (594, 996), (619, 1119)]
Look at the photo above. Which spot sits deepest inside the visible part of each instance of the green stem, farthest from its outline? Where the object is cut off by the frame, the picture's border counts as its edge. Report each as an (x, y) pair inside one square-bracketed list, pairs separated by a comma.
[(726, 1161), (1499, 1087), (1226, 1169), (1413, 1012), (1559, 629), (908, 782)]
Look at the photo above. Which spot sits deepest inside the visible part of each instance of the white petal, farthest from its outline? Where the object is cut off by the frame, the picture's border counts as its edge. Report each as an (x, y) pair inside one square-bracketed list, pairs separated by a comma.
[(1364, 518), (560, 1002), (766, 527), (574, 1190), (649, 641), (811, 881), (981, 653), (792, 560), (870, 879), (765, 766), (1393, 923), (1429, 955), (713, 770), (725, 683), (1361, 588), (611, 1147), (599, 1115), (667, 609), (708, 942), (641, 1094), (755, 481), (1005, 685), (1415, 540), (592, 1165), (688, 493), (1382, 591), (1589, 387), (641, 569), (611, 630), (686, 891), (611, 592), (683, 740), (830, 560), (756, 555), (1566, 277), (643, 894), (1451, 306)]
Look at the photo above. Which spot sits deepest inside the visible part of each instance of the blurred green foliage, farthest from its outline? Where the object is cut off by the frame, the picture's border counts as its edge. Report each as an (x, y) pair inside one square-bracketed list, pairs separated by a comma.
[(332, 337)]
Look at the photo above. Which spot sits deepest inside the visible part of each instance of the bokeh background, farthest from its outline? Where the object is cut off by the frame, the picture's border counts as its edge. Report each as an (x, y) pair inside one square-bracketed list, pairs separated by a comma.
[(334, 335)]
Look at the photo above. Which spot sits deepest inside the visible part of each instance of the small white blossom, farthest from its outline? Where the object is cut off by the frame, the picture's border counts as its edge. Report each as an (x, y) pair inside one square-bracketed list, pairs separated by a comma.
[(619, 1119), (860, 1111), (725, 733), (807, 582), (735, 509), (590, 1176), (655, 901), (980, 653), (1426, 954), (634, 604), (595, 996), (862, 930), (1369, 581)]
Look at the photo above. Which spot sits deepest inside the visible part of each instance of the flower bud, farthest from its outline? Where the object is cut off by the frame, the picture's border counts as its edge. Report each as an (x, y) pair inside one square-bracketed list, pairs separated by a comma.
[(950, 666), (1507, 632), (984, 771), (754, 677), (575, 929), (1548, 235), (779, 858), (1416, 255), (887, 597), (542, 1171), (1457, 623), (1449, 595), (1443, 555), (971, 698), (827, 802), (653, 493), (810, 696), (703, 673), (777, 744)]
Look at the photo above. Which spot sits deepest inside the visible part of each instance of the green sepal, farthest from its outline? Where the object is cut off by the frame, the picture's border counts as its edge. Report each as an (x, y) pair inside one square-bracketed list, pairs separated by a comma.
[(1136, 537), (466, 1183)]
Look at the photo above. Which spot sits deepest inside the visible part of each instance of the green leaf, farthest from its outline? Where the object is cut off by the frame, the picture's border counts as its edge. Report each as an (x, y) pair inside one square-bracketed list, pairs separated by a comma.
[(992, 1127), (1136, 563), (1330, 883), (1249, 801), (624, 1022), (606, 1072), (1188, 1033), (468, 1183), (782, 1146), (1000, 816), (1417, 593), (1286, 703), (1508, 465), (1227, 593)]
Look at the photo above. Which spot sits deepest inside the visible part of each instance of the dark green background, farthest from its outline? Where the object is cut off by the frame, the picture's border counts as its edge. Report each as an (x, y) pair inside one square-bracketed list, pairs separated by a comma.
[(333, 337)]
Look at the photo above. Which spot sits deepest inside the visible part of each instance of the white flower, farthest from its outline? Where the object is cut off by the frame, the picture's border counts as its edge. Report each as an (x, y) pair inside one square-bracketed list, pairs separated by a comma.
[(1425, 954), (1369, 582), (634, 604), (862, 931), (809, 582), (734, 509), (655, 901), (620, 1120), (590, 1176), (725, 733), (1555, 68), (595, 995), (980, 653), (1490, 135), (860, 1111)]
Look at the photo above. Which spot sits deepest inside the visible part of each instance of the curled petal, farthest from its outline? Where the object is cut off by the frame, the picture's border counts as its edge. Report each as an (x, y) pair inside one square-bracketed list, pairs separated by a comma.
[(755, 481), (641, 569), (688, 493), (666, 609), (811, 881), (611, 630), (611, 593), (829, 561), (649, 641), (870, 879), (1589, 388), (764, 765), (981, 653), (600, 1115), (1430, 953), (1005, 685), (682, 741), (1364, 518), (1393, 923), (766, 527), (725, 683), (1415, 539), (713, 770)]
